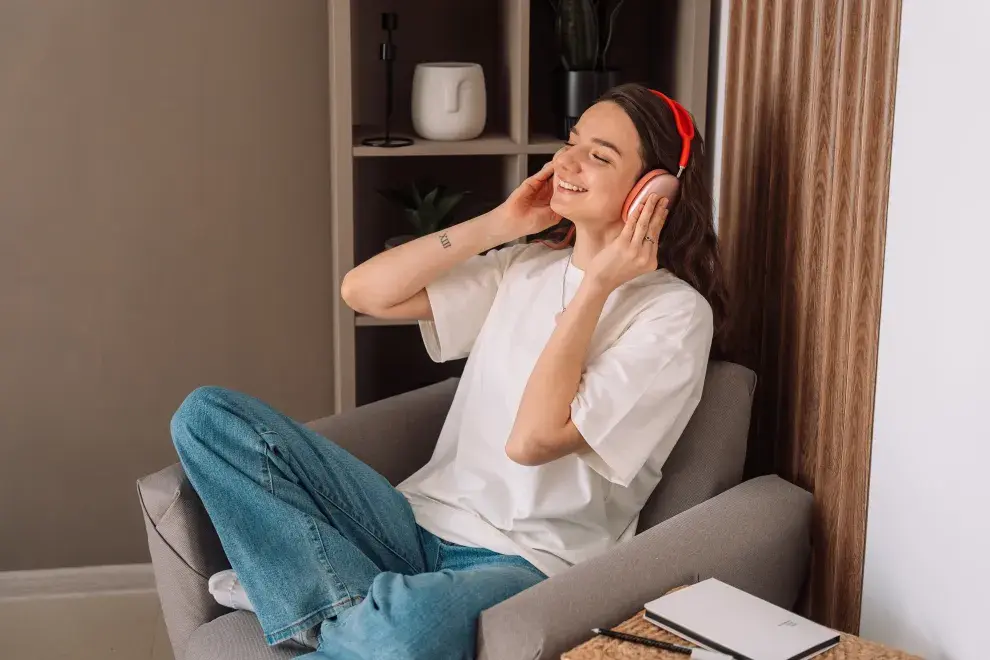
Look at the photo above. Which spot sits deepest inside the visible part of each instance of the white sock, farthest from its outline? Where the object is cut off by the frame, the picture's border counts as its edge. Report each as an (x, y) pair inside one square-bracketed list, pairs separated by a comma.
[(227, 590)]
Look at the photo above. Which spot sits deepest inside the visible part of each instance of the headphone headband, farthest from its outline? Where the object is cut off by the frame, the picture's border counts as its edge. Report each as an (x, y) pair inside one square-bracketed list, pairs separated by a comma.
[(685, 128)]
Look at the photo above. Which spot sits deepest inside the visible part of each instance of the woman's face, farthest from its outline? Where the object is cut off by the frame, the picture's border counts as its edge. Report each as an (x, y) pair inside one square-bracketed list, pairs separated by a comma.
[(597, 168)]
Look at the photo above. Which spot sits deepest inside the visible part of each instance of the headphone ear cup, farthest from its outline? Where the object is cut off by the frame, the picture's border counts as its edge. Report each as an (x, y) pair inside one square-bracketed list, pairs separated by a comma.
[(655, 181), (633, 198)]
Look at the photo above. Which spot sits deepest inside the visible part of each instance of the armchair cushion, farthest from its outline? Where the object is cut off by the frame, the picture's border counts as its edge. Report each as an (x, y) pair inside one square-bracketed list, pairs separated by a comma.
[(395, 436), (709, 456), (755, 536), (238, 636)]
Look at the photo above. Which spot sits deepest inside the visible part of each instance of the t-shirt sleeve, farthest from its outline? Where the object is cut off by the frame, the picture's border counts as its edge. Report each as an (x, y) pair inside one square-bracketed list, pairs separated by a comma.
[(460, 301), (636, 397)]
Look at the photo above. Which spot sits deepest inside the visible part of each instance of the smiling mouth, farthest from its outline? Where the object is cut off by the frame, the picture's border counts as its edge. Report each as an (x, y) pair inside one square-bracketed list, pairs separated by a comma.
[(569, 187)]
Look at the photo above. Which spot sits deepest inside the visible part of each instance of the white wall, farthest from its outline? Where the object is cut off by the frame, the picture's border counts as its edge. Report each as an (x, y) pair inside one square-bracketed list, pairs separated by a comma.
[(927, 575)]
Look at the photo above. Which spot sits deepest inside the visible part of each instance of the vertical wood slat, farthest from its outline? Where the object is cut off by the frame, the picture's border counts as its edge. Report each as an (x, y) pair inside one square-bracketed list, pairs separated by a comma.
[(806, 164)]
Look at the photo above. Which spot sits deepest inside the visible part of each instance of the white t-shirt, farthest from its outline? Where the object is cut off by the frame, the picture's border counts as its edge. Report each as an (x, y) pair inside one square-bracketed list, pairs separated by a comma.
[(643, 379)]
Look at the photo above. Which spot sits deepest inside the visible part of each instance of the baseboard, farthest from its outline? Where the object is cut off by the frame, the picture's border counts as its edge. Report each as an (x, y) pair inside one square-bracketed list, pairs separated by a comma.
[(76, 582)]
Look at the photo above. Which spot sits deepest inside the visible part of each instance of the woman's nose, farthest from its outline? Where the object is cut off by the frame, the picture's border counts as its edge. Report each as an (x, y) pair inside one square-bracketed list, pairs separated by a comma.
[(564, 160)]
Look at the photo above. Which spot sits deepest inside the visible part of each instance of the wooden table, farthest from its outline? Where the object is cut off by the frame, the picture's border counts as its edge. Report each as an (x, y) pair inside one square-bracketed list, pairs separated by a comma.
[(603, 648)]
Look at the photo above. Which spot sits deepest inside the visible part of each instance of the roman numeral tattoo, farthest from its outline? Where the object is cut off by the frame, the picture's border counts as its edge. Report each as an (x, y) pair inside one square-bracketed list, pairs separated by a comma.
[(444, 241)]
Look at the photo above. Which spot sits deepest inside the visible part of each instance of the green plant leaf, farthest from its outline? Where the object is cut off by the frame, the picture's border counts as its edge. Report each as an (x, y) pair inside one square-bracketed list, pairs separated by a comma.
[(577, 34), (611, 28), (428, 215), (427, 207), (415, 220), (416, 196), (447, 204), (431, 197), (400, 197)]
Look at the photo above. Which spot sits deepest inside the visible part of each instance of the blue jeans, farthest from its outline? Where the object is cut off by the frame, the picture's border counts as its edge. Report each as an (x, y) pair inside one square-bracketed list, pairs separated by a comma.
[(318, 538)]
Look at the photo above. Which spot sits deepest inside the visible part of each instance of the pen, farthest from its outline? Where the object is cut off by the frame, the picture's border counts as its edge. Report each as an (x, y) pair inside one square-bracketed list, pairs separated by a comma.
[(699, 654)]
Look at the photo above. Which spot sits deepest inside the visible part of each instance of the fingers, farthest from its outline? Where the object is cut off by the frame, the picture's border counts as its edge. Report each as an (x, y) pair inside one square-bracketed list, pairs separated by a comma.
[(632, 222), (541, 182), (658, 219), (643, 219), (545, 172), (543, 178)]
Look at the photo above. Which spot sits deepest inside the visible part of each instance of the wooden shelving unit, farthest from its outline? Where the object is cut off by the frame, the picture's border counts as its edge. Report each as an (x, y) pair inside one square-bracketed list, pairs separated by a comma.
[(664, 43)]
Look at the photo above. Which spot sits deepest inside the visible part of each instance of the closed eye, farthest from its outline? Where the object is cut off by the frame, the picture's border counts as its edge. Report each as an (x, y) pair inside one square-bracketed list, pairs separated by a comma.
[(596, 156)]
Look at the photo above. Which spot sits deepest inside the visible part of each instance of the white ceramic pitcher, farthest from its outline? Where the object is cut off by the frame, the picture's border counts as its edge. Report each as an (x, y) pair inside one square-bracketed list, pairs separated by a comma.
[(448, 100)]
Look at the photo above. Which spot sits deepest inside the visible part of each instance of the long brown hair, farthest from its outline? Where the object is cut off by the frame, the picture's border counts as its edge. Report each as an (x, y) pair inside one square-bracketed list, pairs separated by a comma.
[(688, 245)]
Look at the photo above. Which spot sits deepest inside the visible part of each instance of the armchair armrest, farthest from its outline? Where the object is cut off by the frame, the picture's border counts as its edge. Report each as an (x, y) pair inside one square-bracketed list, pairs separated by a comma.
[(755, 536), (395, 436)]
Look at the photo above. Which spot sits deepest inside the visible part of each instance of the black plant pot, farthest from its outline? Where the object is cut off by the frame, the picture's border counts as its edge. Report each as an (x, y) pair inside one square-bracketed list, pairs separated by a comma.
[(574, 92)]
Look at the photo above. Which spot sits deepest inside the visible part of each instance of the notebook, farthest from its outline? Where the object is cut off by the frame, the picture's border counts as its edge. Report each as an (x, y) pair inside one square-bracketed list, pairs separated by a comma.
[(720, 617)]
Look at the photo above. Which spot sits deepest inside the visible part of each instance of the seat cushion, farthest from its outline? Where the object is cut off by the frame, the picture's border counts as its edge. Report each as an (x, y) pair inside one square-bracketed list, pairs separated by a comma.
[(709, 456), (237, 636)]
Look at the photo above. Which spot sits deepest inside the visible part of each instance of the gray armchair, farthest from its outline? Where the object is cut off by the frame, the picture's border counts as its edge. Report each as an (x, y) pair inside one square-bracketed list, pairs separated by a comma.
[(702, 521)]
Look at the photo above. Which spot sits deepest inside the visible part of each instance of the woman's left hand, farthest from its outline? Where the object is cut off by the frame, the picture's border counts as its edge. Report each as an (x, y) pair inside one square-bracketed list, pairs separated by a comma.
[(634, 251)]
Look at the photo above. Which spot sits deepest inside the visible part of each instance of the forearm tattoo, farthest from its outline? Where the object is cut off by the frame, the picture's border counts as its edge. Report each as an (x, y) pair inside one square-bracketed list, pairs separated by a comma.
[(444, 241)]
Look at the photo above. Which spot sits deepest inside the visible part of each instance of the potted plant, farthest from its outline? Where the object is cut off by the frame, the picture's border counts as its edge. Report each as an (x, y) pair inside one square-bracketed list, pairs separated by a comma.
[(584, 31), (428, 208)]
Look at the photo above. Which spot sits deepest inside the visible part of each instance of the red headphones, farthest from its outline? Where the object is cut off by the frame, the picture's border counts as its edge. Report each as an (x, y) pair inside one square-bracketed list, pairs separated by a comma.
[(662, 182), (657, 181)]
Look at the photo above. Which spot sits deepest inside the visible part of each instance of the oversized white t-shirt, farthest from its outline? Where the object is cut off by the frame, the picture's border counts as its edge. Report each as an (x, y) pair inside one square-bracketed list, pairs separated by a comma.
[(644, 376)]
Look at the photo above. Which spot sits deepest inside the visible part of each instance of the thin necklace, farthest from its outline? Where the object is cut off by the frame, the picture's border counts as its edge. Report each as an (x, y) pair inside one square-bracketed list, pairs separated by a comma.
[(563, 284)]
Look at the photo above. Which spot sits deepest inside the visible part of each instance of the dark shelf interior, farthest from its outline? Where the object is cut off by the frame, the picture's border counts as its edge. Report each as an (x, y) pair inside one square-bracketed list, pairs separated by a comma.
[(641, 49), (377, 219), (392, 360), (428, 31)]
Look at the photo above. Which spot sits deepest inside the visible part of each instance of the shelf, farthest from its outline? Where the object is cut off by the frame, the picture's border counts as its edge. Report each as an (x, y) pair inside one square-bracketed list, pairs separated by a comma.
[(544, 144), (484, 145), (370, 321)]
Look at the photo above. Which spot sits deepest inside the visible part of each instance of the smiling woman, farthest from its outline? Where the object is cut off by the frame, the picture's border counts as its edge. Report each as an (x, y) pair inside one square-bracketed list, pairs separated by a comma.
[(584, 365)]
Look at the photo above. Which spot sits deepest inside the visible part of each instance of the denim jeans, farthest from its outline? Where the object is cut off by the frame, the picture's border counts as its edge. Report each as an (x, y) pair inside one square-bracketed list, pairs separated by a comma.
[(318, 538)]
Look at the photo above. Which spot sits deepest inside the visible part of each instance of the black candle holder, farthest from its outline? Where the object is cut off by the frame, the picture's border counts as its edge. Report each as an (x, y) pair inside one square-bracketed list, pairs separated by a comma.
[(390, 22)]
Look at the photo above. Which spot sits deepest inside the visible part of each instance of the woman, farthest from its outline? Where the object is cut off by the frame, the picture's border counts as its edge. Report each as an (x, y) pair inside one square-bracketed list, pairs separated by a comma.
[(585, 362)]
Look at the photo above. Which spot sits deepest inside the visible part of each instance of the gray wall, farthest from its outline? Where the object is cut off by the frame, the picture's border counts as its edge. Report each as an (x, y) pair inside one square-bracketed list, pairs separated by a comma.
[(164, 223)]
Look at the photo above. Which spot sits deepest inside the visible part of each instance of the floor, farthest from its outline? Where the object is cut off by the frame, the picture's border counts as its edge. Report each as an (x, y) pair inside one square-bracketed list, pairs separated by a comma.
[(123, 624)]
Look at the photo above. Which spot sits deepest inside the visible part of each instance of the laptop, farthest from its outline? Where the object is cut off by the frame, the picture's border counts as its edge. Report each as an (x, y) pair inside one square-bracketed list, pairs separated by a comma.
[(719, 617)]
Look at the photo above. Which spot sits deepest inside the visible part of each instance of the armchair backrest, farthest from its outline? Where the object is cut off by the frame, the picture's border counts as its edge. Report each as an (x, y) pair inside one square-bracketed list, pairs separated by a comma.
[(709, 456), (396, 436)]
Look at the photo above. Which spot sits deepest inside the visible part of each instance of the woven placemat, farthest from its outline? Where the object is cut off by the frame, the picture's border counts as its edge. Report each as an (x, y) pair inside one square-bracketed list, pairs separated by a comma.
[(604, 648)]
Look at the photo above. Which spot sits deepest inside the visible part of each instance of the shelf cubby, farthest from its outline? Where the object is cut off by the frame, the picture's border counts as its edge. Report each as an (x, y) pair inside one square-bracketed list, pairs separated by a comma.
[(393, 361), (663, 43)]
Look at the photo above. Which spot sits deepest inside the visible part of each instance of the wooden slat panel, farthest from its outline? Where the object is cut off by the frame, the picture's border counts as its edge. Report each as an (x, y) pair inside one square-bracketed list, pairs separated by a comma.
[(809, 109)]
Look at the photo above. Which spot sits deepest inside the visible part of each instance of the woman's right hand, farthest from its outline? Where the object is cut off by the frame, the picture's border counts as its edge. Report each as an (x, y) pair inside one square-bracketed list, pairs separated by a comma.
[(527, 209)]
